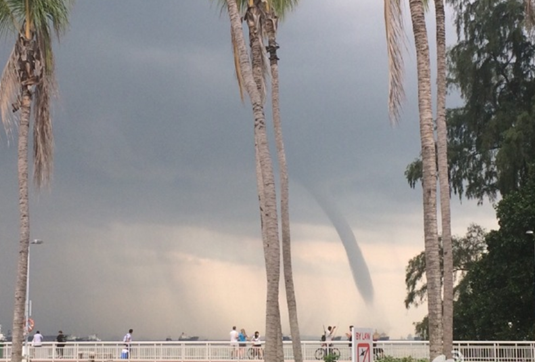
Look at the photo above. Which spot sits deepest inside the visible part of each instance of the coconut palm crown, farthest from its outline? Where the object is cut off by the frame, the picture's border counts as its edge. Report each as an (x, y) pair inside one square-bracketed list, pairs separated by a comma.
[(30, 70)]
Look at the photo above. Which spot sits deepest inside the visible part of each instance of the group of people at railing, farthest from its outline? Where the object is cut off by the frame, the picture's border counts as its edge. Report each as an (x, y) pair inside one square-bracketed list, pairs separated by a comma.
[(238, 342)]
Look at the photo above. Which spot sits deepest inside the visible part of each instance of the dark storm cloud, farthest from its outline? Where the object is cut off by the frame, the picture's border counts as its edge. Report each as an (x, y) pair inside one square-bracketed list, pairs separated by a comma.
[(154, 168)]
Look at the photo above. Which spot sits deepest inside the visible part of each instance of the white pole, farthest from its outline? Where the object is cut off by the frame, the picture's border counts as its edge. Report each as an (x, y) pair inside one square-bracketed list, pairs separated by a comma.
[(353, 344), (27, 312), (25, 353)]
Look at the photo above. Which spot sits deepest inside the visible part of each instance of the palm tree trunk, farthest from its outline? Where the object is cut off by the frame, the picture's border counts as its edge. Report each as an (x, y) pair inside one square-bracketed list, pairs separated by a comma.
[(269, 208), (429, 178), (19, 331), (280, 342), (253, 17), (443, 176), (284, 191)]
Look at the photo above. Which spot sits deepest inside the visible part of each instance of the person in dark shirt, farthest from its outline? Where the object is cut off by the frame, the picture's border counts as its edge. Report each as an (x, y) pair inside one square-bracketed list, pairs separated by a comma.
[(60, 343), (349, 336)]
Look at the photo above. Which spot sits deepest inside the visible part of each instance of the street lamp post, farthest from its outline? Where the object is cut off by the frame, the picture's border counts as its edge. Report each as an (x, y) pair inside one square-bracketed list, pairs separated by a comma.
[(27, 306)]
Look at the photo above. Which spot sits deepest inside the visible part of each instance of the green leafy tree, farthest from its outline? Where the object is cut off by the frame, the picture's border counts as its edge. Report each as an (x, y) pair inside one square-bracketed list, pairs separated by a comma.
[(497, 296), (490, 138), (489, 148), (422, 328), (495, 293), (467, 251), (28, 84)]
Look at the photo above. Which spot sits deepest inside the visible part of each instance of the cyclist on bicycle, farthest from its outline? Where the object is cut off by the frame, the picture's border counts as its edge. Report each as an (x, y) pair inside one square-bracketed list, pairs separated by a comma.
[(327, 347)]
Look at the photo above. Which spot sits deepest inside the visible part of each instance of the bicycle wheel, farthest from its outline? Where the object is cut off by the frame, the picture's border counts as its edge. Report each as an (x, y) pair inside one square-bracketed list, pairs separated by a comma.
[(320, 353), (336, 352)]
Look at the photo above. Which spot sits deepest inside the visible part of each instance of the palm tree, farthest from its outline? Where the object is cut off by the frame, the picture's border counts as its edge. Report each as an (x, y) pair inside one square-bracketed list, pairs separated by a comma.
[(28, 81), (443, 177), (262, 20), (271, 29), (394, 32), (266, 190), (429, 177)]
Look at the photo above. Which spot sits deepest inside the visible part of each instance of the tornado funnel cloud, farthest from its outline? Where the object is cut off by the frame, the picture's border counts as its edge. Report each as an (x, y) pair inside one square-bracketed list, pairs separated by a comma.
[(359, 268)]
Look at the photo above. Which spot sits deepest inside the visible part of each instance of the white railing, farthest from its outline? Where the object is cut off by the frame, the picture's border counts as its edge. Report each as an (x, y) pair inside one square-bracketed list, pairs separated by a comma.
[(208, 351)]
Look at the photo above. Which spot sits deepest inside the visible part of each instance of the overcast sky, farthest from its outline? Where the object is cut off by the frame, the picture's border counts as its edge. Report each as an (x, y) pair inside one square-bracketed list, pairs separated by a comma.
[(152, 219)]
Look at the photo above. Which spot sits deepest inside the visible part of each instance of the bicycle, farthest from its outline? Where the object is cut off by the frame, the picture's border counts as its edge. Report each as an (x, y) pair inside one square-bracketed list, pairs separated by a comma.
[(378, 353), (325, 351), (255, 353)]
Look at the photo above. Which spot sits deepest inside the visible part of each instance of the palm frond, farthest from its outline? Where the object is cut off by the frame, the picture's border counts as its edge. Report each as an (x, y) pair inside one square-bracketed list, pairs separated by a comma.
[(395, 42), (283, 7), (8, 23), (280, 7), (51, 14), (239, 76), (262, 9), (46, 89), (43, 140), (9, 93), (49, 17), (426, 5)]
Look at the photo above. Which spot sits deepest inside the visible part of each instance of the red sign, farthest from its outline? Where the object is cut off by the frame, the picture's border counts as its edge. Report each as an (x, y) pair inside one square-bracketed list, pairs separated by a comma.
[(363, 352)]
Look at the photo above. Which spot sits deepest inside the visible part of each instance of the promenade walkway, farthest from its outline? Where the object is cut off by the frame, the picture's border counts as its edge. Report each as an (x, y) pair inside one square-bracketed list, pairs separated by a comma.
[(220, 351)]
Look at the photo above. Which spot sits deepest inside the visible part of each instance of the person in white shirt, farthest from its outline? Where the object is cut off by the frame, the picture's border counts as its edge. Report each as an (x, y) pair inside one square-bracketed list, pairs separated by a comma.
[(257, 346), (329, 336), (127, 339), (37, 340), (234, 342)]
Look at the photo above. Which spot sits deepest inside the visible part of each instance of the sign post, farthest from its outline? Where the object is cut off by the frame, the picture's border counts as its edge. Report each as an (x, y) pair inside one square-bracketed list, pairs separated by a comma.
[(362, 346)]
